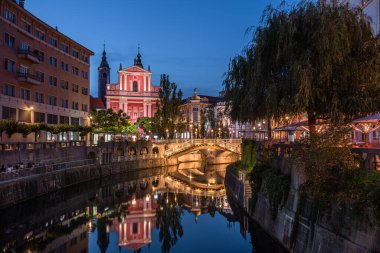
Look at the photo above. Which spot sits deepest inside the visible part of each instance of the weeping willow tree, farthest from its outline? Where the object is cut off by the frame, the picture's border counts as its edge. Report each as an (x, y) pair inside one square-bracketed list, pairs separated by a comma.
[(308, 58)]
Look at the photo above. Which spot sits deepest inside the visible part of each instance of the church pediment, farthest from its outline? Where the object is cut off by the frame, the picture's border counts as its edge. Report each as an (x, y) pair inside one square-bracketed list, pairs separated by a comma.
[(135, 69)]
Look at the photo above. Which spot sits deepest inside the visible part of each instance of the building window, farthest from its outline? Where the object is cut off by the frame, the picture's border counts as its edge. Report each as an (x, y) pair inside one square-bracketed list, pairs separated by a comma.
[(64, 85), (53, 61), (135, 115), (84, 58), (24, 70), (104, 75), (65, 103), (26, 26), (53, 81), (64, 120), (40, 34), (39, 117), (52, 119), (84, 107), (41, 56), (75, 88), (9, 40), (40, 76), (25, 94), (135, 86), (10, 16), (75, 53), (65, 66), (9, 65), (74, 70), (135, 228), (53, 41), (84, 75), (9, 90), (74, 121), (84, 91), (40, 98), (65, 48), (52, 100), (9, 113), (25, 116), (195, 109), (74, 105)]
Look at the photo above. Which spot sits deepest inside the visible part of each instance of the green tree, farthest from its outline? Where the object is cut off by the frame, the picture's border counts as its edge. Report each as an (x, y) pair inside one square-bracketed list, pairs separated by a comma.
[(146, 124), (168, 113), (311, 58)]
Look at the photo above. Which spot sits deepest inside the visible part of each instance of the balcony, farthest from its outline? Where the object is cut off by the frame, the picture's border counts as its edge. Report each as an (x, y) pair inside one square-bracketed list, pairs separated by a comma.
[(114, 92), (29, 78), (28, 55)]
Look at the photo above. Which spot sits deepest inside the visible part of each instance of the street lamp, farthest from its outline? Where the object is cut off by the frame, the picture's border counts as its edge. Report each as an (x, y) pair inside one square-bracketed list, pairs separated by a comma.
[(212, 133), (219, 129), (167, 133)]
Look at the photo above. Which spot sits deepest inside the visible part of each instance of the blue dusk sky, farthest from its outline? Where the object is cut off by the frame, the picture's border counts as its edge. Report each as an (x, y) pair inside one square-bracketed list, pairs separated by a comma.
[(191, 40)]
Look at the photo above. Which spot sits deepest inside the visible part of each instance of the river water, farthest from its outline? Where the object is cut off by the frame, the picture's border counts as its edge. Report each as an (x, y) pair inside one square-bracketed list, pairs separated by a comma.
[(179, 210)]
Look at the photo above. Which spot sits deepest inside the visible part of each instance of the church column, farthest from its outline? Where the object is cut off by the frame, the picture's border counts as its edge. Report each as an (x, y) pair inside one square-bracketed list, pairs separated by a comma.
[(126, 108), (144, 229), (108, 104), (149, 83), (150, 110), (144, 83), (145, 114)]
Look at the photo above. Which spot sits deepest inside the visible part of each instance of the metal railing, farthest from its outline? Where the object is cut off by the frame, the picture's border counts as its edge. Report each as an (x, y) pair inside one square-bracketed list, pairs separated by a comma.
[(17, 146), (43, 168)]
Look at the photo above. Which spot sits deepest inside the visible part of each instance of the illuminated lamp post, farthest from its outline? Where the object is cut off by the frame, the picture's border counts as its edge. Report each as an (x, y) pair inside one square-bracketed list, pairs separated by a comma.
[(219, 132), (167, 133)]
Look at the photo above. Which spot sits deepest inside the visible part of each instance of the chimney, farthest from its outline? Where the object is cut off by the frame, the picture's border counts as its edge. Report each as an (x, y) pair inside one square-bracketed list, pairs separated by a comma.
[(21, 3)]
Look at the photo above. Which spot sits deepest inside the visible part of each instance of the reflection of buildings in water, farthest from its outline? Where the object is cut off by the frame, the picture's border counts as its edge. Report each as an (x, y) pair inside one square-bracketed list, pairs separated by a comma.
[(135, 228), (76, 241)]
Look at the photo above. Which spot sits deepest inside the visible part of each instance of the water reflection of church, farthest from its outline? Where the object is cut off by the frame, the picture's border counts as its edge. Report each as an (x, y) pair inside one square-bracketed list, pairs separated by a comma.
[(135, 228)]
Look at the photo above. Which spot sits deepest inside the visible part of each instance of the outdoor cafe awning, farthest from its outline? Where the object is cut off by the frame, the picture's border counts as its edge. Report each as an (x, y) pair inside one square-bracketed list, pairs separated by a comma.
[(367, 124), (295, 126), (375, 118)]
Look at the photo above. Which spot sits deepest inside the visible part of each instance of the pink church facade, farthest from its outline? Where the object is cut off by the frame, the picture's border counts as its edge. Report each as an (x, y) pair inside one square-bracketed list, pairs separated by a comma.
[(134, 92)]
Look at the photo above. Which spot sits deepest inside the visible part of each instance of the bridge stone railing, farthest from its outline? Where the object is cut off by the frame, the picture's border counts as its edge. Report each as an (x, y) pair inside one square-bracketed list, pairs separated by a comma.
[(182, 144)]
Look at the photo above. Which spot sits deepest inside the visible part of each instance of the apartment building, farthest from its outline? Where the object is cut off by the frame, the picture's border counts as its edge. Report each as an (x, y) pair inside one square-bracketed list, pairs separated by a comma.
[(44, 74)]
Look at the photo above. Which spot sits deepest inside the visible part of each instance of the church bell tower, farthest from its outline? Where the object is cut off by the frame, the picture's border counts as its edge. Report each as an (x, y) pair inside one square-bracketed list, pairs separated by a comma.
[(104, 76)]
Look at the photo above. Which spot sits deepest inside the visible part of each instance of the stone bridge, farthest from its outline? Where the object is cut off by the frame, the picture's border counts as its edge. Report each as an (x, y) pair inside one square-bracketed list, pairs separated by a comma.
[(172, 149), (177, 148)]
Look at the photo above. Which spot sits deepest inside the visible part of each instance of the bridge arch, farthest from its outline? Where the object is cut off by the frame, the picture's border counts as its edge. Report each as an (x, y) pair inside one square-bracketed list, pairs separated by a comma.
[(132, 151)]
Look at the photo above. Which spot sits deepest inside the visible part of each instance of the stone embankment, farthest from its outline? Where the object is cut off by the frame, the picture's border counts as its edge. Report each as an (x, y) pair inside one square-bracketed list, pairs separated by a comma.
[(16, 190), (335, 234)]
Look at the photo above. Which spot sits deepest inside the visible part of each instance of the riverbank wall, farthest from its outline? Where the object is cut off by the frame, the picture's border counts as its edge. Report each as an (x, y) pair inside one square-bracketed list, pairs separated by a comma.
[(17, 190), (333, 234)]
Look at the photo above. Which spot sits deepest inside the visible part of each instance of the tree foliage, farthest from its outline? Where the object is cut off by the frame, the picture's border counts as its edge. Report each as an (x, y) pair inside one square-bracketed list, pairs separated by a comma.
[(168, 113), (110, 121), (310, 58), (146, 124)]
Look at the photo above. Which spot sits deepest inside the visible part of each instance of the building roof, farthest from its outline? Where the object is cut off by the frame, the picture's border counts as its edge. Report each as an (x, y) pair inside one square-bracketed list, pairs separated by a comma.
[(97, 103), (374, 118), (104, 62)]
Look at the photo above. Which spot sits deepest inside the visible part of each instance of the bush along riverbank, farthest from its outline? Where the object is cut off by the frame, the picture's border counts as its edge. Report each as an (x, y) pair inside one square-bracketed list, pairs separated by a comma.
[(321, 200)]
